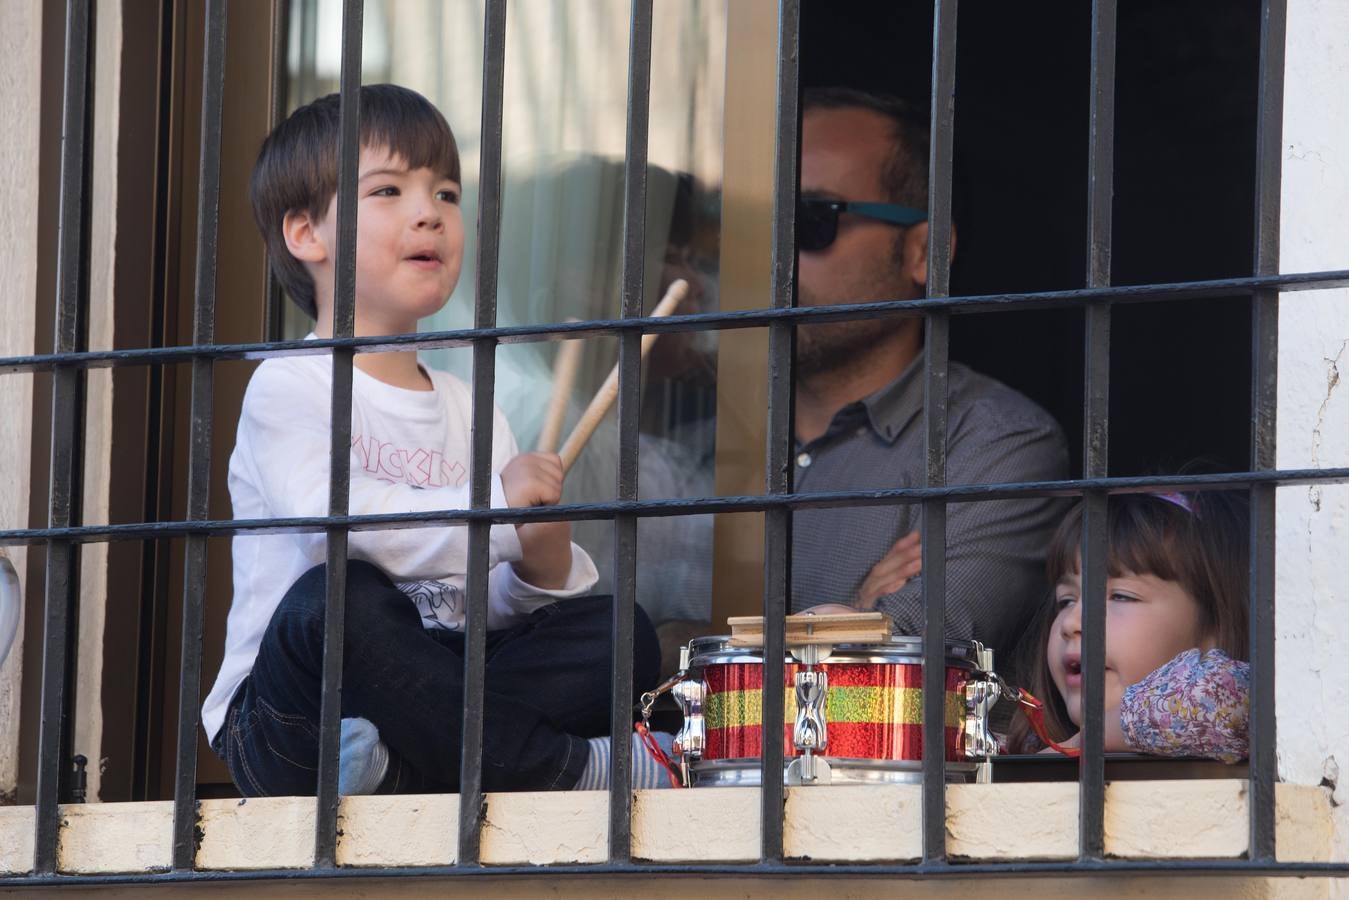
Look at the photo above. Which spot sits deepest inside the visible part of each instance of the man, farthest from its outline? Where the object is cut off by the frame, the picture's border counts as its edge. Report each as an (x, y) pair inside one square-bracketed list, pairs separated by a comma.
[(859, 397)]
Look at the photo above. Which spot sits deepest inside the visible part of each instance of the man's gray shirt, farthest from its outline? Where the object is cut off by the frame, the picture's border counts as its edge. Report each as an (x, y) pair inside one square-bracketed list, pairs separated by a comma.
[(995, 549)]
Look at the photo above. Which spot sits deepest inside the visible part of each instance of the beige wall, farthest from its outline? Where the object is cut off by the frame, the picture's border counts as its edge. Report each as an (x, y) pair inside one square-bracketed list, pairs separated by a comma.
[(88, 738), (20, 73), (1312, 568)]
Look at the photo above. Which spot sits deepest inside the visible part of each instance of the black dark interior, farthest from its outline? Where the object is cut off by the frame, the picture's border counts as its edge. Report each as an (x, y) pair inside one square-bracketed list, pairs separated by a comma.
[(1184, 200)]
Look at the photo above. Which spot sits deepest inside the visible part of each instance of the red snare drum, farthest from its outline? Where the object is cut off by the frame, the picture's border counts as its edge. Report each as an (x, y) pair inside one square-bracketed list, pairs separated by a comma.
[(870, 706)]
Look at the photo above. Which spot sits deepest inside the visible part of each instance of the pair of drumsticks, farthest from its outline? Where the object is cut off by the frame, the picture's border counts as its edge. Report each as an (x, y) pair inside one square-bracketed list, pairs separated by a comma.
[(564, 374)]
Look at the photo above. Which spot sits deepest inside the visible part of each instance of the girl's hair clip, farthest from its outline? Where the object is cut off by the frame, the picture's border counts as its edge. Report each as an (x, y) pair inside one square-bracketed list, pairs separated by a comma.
[(1176, 498)]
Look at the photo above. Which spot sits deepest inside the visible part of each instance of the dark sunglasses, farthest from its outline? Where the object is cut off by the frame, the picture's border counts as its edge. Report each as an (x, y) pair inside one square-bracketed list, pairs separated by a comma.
[(817, 220)]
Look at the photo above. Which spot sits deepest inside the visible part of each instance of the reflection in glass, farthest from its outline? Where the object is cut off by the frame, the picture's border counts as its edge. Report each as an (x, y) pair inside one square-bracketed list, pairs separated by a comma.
[(565, 120)]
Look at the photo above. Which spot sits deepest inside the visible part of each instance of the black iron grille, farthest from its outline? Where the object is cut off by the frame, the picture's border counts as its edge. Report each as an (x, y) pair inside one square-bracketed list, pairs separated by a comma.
[(70, 361)]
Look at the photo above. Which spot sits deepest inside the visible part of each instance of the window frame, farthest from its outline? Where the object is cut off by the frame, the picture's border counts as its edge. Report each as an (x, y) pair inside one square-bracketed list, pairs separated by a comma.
[(70, 361)]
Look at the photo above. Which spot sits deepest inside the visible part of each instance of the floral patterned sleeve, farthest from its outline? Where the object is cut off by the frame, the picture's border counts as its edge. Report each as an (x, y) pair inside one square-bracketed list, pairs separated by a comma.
[(1195, 705)]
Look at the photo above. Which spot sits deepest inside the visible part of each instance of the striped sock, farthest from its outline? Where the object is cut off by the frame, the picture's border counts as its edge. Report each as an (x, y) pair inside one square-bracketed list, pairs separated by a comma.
[(646, 771)]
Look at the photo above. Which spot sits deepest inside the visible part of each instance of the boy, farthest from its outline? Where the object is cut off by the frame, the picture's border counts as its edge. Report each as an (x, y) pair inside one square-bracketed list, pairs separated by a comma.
[(547, 661)]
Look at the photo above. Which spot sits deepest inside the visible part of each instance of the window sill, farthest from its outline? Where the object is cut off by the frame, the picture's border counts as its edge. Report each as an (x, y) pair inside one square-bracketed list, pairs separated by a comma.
[(1199, 819)]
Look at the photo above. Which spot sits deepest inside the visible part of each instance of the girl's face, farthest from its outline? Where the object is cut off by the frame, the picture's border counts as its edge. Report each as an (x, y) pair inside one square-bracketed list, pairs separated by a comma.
[(1148, 622)]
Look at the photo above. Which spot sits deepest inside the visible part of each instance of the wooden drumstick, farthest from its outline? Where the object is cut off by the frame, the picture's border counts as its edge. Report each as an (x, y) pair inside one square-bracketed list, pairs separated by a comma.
[(565, 366), (608, 392)]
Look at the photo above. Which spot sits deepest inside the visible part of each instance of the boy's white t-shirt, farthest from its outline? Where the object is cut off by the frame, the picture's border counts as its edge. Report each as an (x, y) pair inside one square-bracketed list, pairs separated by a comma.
[(409, 453)]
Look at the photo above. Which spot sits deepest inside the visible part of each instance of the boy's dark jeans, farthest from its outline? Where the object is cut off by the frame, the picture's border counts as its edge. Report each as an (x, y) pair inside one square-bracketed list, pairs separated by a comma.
[(547, 689)]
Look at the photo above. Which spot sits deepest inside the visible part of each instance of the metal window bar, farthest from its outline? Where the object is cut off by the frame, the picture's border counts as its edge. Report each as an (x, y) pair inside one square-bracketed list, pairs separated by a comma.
[(480, 462), (1264, 410), (339, 478), (751, 503), (777, 574), (62, 575), (275, 308), (199, 448), (936, 361), (629, 414), (1227, 288), (67, 363), (1238, 868), (1096, 429)]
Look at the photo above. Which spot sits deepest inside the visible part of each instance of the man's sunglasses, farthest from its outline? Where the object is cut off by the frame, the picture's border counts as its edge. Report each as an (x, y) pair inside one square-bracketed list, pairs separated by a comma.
[(817, 219)]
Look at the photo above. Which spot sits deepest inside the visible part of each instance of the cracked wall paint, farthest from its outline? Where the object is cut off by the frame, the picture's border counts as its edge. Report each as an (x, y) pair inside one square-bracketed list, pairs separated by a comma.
[(1332, 382), (1312, 587)]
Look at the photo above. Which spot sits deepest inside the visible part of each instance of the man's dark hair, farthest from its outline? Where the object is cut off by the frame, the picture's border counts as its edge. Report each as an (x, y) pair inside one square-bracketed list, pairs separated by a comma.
[(905, 176), (297, 165)]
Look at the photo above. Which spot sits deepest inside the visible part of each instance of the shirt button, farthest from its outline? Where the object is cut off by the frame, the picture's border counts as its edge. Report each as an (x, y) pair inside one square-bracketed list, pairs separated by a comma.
[(803, 460)]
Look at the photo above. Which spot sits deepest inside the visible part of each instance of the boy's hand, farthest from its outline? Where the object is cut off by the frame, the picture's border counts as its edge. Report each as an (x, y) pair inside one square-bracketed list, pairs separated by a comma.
[(900, 563), (533, 479)]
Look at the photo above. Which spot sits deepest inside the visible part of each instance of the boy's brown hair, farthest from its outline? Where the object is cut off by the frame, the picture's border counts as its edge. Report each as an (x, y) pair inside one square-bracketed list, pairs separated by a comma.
[(297, 165)]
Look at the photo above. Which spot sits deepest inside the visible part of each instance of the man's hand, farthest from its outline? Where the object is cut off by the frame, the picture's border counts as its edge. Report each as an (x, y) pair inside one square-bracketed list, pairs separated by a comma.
[(535, 479), (900, 563), (831, 609)]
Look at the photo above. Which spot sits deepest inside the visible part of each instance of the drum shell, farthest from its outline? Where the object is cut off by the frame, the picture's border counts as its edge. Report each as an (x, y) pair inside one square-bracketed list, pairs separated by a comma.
[(875, 710)]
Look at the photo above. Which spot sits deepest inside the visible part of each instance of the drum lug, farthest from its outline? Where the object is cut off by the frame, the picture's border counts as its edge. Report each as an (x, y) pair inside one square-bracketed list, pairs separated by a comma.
[(981, 693), (810, 733), (811, 654), (808, 769), (983, 656), (691, 740)]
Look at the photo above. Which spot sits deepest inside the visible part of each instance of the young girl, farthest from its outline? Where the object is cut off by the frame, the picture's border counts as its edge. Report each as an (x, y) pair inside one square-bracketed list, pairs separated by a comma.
[(1175, 630)]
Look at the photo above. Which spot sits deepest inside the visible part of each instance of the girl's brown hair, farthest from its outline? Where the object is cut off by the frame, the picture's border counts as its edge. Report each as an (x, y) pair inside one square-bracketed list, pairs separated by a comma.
[(1205, 549)]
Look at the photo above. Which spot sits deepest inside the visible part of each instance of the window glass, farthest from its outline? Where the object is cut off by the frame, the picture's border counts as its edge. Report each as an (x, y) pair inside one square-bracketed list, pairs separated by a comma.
[(564, 132)]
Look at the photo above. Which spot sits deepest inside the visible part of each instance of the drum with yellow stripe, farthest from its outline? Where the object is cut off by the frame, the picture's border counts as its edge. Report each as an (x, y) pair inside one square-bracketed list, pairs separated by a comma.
[(873, 710)]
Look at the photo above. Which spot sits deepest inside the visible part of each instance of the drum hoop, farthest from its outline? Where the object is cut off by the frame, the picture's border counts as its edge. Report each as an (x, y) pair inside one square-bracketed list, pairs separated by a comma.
[(900, 649), (736, 763)]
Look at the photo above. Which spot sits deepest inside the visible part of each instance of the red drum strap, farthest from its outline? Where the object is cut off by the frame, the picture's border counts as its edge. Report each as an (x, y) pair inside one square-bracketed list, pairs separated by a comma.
[(1035, 713), (657, 753)]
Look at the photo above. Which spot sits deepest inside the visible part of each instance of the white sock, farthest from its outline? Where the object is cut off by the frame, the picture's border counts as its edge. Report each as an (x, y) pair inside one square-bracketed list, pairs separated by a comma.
[(646, 771), (363, 759)]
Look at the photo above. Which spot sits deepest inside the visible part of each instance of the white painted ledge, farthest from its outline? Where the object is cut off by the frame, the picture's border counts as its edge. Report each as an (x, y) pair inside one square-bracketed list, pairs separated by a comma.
[(396, 831), (998, 822), (16, 839)]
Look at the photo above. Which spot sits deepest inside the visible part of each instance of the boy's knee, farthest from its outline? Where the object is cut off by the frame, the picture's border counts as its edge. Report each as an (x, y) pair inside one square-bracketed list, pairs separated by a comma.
[(307, 598), (297, 627), (591, 618)]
